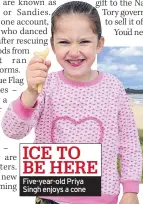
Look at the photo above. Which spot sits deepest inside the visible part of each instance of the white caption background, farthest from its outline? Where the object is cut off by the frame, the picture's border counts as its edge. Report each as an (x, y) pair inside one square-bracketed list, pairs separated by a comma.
[(54, 155)]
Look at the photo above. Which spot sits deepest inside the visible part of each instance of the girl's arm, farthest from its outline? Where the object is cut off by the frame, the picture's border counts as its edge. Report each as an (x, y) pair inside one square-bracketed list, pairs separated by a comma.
[(129, 146), (19, 118)]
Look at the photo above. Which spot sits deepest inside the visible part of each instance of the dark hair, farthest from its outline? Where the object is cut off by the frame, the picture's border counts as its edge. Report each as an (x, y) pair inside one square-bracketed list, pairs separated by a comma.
[(78, 7)]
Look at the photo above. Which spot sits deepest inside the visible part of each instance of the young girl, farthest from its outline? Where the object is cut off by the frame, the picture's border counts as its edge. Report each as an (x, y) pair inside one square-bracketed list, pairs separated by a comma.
[(80, 105)]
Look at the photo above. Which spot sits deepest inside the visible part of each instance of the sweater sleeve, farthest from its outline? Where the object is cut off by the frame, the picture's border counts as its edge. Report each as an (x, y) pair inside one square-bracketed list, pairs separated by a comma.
[(129, 145), (18, 119)]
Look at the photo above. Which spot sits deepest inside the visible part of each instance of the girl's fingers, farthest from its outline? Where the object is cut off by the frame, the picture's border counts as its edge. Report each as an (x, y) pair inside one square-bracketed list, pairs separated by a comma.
[(37, 80), (38, 73), (48, 63), (38, 66)]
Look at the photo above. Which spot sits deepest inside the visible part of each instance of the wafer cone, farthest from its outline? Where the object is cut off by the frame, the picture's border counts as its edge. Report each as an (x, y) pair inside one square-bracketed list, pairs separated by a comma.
[(43, 55)]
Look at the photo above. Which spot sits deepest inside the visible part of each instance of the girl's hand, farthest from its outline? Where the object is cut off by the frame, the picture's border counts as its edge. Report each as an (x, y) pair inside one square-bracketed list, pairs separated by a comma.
[(129, 198), (36, 72)]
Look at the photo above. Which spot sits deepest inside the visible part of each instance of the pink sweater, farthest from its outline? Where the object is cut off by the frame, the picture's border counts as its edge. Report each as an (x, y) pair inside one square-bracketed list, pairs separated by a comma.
[(97, 111)]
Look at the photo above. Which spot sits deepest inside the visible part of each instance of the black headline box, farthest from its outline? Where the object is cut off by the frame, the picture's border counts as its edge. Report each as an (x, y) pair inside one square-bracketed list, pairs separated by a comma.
[(60, 186)]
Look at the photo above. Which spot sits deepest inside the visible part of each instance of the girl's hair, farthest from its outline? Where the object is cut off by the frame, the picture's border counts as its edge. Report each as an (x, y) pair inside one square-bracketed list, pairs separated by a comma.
[(77, 7)]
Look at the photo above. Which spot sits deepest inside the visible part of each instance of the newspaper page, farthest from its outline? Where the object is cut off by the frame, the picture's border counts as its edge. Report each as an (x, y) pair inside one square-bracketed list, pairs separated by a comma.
[(25, 28)]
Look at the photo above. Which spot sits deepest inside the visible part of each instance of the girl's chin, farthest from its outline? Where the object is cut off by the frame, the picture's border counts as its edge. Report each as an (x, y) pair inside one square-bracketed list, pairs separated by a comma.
[(77, 73), (74, 75)]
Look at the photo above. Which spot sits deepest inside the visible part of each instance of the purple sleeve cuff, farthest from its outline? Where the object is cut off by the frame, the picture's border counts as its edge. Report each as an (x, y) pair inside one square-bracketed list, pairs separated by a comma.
[(130, 186), (21, 110)]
